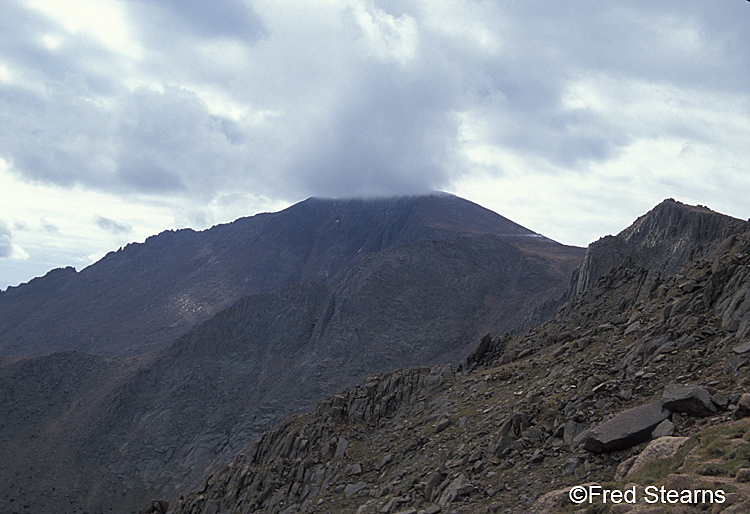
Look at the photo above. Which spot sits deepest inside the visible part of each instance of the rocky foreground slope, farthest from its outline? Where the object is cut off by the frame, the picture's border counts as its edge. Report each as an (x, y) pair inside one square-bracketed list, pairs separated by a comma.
[(641, 380)]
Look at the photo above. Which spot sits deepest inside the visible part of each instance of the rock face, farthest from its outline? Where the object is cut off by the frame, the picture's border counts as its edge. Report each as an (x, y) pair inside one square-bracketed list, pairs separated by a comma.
[(304, 452), (661, 241)]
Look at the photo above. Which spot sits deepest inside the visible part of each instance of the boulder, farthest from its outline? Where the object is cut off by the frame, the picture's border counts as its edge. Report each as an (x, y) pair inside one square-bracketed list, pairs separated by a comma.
[(634, 426), (665, 428), (571, 430), (694, 400), (341, 447), (459, 487), (352, 489), (661, 448)]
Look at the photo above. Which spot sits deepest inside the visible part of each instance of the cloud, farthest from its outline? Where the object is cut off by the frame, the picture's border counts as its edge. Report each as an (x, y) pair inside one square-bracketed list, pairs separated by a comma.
[(7, 248), (6, 243), (112, 226), (220, 18), (193, 100), (48, 226)]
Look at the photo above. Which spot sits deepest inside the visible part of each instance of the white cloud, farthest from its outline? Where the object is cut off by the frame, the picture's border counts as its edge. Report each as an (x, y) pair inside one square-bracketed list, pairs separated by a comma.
[(105, 21), (8, 250), (387, 37)]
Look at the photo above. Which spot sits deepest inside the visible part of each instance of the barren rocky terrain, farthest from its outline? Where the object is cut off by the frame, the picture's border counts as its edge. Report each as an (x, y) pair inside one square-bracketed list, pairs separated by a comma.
[(638, 383)]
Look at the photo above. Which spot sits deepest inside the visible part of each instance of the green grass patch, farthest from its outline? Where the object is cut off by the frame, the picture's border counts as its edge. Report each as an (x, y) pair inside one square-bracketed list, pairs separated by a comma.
[(657, 471), (712, 470)]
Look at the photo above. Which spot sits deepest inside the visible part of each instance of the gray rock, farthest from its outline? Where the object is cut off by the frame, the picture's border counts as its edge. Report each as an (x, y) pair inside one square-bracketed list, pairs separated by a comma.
[(663, 429), (442, 425), (572, 429), (624, 467), (633, 327), (743, 475), (634, 426), (734, 363), (459, 487), (579, 439), (694, 400), (341, 447), (155, 507), (352, 489), (354, 469), (689, 287), (743, 348), (436, 478), (387, 459), (721, 401), (569, 466)]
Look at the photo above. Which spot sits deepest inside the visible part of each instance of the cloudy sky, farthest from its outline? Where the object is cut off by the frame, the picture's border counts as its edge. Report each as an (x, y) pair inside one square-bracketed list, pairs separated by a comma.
[(122, 118)]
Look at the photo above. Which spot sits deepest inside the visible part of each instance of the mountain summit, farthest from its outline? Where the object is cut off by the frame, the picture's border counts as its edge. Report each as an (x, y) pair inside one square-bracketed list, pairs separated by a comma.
[(663, 240), (140, 298)]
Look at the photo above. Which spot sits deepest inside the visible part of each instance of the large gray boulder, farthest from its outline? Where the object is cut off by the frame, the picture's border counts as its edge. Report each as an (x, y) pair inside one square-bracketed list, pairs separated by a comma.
[(634, 426), (694, 400)]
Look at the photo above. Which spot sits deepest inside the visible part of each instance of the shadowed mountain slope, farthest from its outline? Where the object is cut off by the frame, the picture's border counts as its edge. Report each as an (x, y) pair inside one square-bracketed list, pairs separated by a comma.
[(341, 289), (140, 298)]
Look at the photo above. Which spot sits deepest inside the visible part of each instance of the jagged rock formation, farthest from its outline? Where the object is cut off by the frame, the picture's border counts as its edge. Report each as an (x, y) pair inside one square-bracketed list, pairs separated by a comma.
[(661, 241), (140, 298), (378, 285), (508, 432)]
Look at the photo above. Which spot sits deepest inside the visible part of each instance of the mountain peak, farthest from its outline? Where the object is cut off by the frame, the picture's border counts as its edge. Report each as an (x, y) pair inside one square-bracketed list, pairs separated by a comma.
[(188, 276), (662, 241)]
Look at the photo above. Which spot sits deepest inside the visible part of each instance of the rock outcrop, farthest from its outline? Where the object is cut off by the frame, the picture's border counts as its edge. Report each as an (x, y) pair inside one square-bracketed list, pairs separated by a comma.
[(662, 241), (310, 454)]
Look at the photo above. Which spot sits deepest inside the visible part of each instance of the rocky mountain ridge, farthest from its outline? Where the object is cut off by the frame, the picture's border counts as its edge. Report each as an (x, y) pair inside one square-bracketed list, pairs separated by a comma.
[(661, 241), (523, 419), (139, 299)]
